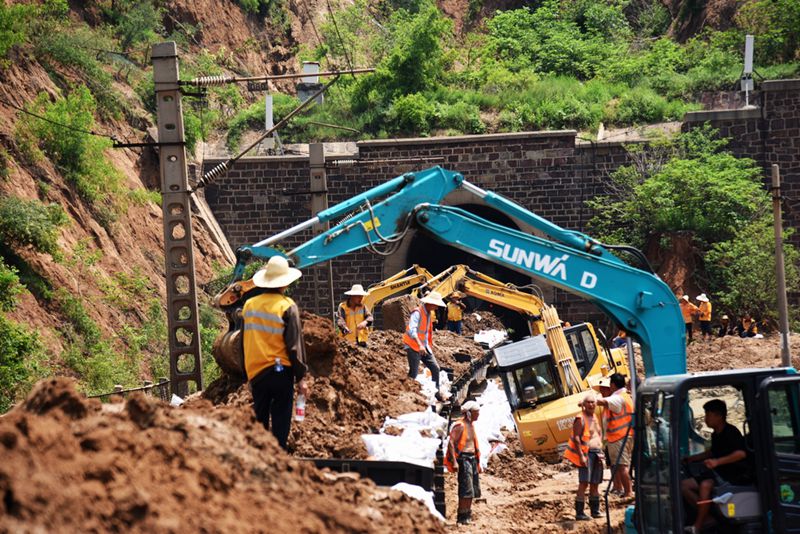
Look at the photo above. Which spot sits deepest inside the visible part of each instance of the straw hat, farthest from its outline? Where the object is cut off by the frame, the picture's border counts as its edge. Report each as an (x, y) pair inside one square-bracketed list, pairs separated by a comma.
[(686, 298), (356, 291), (276, 274), (725, 317), (433, 298), (702, 297)]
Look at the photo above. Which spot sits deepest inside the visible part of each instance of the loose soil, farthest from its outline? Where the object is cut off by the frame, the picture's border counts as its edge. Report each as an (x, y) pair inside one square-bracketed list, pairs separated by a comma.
[(352, 389), (489, 321), (143, 466)]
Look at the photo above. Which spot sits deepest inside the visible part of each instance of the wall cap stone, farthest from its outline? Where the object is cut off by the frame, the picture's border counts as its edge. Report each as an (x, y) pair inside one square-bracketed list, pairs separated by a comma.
[(466, 138), (781, 85), (722, 115)]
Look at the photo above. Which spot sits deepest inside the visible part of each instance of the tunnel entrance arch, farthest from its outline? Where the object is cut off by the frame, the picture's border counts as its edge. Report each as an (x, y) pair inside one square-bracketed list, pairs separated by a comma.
[(433, 255)]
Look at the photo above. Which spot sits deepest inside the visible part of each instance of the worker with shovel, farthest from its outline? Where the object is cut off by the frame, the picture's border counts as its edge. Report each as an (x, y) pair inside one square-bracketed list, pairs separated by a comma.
[(463, 456), (353, 318), (274, 353), (585, 451)]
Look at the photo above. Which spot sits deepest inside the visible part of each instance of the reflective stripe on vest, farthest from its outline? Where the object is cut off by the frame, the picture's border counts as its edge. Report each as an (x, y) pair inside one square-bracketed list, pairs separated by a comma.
[(424, 331), (572, 453), (352, 317), (617, 424), (263, 332), (449, 461)]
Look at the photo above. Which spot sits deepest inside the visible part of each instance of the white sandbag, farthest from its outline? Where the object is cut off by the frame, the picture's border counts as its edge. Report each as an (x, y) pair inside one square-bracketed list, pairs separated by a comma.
[(419, 493), (409, 447)]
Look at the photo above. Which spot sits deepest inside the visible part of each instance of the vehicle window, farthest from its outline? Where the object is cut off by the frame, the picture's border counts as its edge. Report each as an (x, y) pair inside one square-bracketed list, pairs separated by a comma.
[(590, 351), (535, 383), (734, 400), (783, 400), (654, 472)]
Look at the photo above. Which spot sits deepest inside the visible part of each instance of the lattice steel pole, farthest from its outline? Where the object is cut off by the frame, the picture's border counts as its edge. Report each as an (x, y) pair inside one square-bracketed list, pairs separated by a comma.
[(183, 327)]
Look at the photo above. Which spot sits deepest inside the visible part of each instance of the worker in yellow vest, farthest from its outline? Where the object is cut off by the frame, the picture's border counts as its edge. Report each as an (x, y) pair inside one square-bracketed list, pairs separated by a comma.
[(455, 313), (464, 456), (618, 419), (704, 316), (353, 318), (418, 337), (274, 353), (585, 451)]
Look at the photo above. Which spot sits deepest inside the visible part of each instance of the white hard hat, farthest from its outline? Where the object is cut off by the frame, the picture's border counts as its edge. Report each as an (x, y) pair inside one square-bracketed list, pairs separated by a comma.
[(702, 297), (470, 406), (356, 291), (685, 297), (433, 298), (277, 273)]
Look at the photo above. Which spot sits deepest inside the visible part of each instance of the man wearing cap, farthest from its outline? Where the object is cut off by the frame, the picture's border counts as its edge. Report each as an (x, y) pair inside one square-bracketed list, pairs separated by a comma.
[(704, 315), (354, 319), (585, 451), (618, 418), (418, 337), (274, 353), (463, 455), (455, 313), (688, 310)]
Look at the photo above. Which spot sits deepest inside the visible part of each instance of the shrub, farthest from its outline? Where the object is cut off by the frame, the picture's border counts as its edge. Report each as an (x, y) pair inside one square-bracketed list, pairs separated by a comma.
[(10, 287), (80, 156), (80, 323), (14, 21), (30, 223), (136, 22), (411, 114), (19, 348), (462, 117)]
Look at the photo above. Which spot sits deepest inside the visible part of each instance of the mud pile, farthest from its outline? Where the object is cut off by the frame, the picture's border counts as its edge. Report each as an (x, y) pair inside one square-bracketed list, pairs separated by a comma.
[(396, 311), (352, 389), (143, 466), (489, 321), (733, 352)]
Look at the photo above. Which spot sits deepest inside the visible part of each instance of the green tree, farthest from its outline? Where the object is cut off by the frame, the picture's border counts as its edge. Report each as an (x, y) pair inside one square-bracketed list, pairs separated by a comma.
[(30, 223)]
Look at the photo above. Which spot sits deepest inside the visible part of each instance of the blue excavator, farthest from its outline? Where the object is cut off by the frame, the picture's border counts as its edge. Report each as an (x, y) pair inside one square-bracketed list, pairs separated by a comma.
[(763, 403)]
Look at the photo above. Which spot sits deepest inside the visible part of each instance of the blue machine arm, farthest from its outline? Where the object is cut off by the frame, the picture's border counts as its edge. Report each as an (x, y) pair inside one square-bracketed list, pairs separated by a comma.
[(638, 300)]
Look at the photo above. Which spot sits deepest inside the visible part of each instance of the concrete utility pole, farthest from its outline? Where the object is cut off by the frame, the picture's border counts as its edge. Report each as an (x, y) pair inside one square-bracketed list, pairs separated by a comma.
[(182, 319), (780, 271), (319, 202)]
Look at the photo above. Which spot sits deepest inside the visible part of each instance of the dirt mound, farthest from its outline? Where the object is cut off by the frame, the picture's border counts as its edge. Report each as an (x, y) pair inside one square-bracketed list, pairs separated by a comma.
[(352, 389), (488, 321), (397, 310), (733, 352), (145, 466)]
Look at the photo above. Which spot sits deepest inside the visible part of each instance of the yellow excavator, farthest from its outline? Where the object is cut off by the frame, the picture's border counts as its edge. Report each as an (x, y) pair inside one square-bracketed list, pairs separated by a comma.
[(544, 383)]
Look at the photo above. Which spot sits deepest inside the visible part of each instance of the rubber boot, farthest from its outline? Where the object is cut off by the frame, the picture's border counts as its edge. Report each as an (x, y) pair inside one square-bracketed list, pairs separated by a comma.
[(579, 515), (463, 517), (594, 505)]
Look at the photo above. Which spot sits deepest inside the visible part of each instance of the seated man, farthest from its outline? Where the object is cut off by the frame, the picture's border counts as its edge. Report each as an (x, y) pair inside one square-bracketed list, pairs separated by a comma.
[(727, 459)]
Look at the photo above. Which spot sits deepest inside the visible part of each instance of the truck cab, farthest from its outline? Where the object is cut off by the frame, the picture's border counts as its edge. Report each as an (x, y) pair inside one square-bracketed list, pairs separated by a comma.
[(764, 404)]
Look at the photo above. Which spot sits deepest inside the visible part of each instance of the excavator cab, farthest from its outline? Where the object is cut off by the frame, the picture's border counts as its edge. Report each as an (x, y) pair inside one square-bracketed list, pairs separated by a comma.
[(764, 404), (528, 374)]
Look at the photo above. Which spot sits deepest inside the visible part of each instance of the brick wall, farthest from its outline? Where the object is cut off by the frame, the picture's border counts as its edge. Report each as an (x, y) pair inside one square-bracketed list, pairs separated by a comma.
[(550, 173)]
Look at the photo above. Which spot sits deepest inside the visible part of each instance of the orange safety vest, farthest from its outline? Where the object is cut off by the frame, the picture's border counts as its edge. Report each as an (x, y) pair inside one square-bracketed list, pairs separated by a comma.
[(617, 424), (705, 311), (263, 332), (450, 459), (425, 329), (572, 453), (687, 309)]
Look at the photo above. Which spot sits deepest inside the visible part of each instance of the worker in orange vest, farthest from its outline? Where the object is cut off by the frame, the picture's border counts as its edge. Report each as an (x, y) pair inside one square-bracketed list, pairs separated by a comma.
[(704, 315), (418, 337), (585, 451), (688, 310), (464, 456), (353, 318), (618, 418)]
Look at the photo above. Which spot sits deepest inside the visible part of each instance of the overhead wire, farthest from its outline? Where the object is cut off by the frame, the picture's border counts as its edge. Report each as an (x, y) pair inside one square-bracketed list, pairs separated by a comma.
[(339, 35), (56, 123)]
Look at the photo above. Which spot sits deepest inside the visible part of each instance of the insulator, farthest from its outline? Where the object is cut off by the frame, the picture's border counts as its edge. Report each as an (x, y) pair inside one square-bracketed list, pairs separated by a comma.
[(210, 81), (213, 174)]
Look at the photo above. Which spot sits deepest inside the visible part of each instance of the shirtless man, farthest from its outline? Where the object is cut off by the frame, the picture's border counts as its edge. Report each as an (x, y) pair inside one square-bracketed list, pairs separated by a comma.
[(585, 451)]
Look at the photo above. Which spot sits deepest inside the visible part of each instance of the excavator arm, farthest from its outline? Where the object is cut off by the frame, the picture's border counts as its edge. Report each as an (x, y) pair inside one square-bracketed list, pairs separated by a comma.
[(396, 284), (638, 300)]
